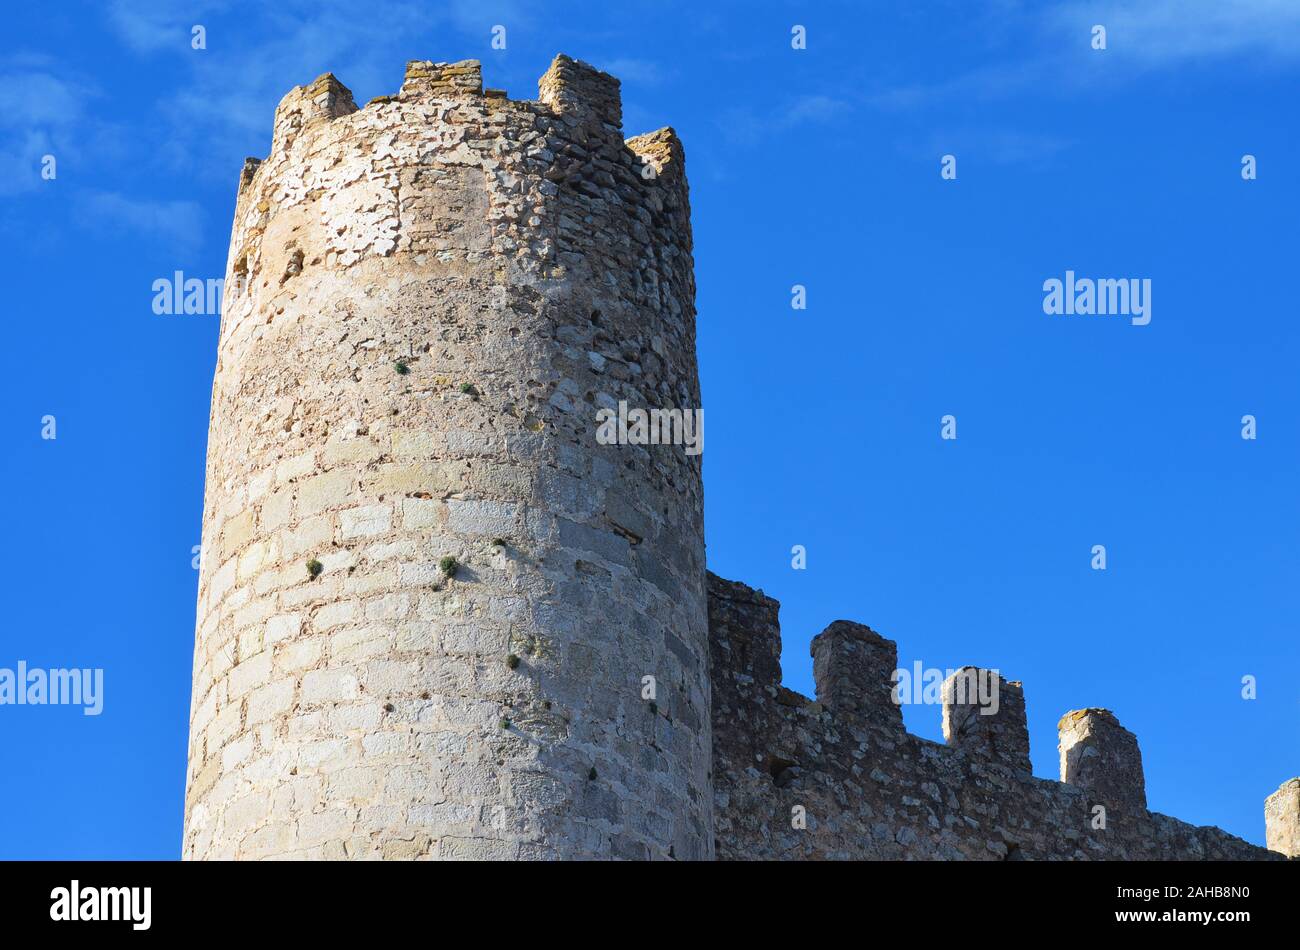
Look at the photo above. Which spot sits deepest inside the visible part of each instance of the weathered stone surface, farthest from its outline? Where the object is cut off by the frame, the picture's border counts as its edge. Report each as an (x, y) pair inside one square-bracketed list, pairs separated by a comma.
[(408, 378), (430, 600), (865, 788), (1100, 755), (1282, 819), (851, 668), (998, 730)]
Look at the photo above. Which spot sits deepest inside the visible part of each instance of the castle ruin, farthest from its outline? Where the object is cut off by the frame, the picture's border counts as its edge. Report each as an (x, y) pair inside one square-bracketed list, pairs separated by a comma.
[(437, 618)]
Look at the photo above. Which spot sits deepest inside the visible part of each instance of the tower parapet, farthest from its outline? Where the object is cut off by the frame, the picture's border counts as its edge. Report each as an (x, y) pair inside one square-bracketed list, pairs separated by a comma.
[(852, 667), (583, 95), (985, 715), (1100, 755), (428, 80), (304, 106)]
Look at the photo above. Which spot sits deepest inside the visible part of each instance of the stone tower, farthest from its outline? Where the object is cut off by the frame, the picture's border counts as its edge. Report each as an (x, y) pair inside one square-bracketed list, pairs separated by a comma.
[(430, 598)]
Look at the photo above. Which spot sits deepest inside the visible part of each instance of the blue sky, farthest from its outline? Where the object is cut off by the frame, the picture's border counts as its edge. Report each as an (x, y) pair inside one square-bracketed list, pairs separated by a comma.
[(818, 167)]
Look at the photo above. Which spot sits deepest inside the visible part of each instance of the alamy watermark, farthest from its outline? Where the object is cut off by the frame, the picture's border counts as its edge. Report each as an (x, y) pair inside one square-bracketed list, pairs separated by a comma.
[(75, 902), (179, 294), (1126, 296), (970, 686), (626, 426), (57, 687)]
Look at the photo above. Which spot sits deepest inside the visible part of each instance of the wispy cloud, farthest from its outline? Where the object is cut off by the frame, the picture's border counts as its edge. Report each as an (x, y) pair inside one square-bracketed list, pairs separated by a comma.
[(32, 97), (813, 108), (20, 159), (1052, 50), (41, 113), (148, 26), (993, 145), (222, 111), (1167, 32), (178, 223), (628, 69), (745, 126), (1015, 146), (980, 84)]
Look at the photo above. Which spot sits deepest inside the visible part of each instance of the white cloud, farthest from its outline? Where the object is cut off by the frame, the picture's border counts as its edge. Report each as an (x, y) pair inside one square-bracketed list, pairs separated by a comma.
[(986, 144), (747, 127), (627, 69), (814, 108), (35, 98), (1052, 51), (1166, 32), (173, 222), (20, 160), (151, 25), (223, 110), (981, 84), (40, 114)]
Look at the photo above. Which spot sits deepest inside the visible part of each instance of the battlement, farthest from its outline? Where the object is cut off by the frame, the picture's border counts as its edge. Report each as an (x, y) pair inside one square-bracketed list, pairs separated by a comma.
[(587, 101), (306, 106), (852, 665), (455, 174), (428, 80), (582, 93), (839, 777), (1099, 754), (985, 715)]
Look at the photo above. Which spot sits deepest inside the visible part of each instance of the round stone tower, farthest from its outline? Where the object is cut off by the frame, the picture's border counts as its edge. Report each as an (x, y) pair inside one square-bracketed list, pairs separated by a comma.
[(439, 616)]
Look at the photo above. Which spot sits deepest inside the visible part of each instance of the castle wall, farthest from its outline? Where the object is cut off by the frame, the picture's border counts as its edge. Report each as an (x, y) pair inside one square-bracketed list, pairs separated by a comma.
[(442, 289), (871, 790), (427, 302)]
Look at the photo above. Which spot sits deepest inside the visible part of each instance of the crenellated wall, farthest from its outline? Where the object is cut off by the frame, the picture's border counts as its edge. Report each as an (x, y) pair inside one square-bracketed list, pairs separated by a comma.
[(430, 599), (840, 777)]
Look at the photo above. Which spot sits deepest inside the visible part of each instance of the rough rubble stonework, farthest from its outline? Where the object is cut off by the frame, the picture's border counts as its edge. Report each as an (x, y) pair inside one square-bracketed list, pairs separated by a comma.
[(428, 597), (869, 789), (442, 289), (1282, 819)]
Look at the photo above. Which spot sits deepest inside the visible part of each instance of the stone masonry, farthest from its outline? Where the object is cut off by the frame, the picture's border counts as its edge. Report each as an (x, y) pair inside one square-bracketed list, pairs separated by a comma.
[(438, 619), (427, 301), (861, 786)]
